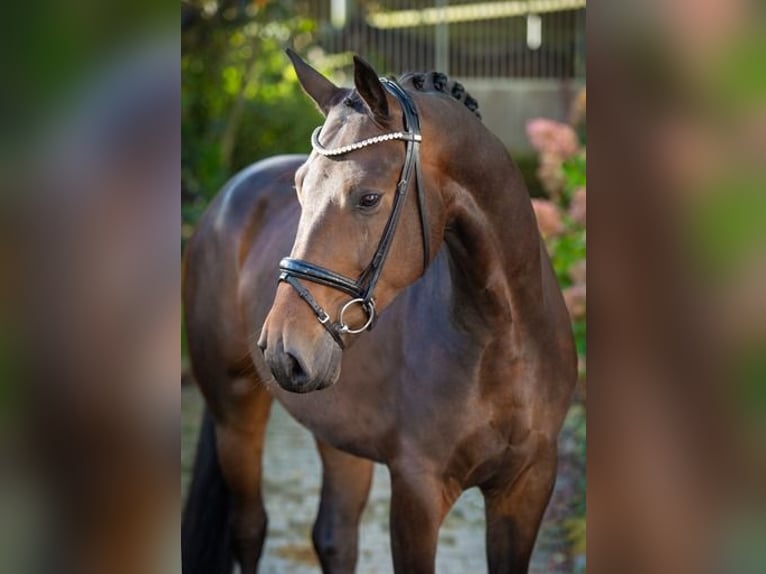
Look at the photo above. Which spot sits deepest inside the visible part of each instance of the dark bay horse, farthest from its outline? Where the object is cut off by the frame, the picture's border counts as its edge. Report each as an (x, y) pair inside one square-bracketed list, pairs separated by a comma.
[(465, 373)]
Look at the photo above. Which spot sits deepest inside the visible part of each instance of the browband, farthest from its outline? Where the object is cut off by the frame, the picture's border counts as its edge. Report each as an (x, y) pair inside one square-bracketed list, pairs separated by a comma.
[(321, 150)]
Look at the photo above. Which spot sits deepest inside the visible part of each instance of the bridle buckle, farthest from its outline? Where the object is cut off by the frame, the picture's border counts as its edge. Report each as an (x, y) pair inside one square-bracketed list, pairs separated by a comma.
[(324, 317)]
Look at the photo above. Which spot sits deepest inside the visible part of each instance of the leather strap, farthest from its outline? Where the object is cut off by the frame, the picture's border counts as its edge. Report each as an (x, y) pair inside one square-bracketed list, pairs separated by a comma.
[(317, 274), (324, 318), (422, 210)]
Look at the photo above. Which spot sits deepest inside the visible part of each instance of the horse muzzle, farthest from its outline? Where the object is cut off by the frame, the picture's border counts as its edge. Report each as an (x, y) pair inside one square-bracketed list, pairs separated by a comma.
[(302, 368)]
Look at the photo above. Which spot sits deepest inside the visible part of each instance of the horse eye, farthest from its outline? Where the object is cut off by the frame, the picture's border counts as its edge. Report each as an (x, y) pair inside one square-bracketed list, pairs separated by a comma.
[(369, 200)]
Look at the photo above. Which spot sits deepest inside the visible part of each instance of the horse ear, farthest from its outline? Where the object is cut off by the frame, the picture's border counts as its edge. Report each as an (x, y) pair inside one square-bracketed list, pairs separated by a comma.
[(369, 87), (318, 88)]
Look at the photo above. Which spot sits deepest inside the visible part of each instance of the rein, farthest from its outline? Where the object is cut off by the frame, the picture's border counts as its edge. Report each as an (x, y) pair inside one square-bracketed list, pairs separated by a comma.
[(362, 289)]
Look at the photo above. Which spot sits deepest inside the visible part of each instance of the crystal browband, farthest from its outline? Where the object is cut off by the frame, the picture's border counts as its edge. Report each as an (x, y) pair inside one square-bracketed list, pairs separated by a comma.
[(320, 149)]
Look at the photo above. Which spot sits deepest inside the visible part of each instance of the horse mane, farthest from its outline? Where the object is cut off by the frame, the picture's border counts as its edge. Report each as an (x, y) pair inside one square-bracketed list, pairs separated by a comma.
[(438, 82)]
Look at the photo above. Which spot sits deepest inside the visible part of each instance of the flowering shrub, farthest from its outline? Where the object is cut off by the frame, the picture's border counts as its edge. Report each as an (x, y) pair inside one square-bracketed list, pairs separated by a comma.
[(555, 143), (552, 137), (561, 219), (561, 216)]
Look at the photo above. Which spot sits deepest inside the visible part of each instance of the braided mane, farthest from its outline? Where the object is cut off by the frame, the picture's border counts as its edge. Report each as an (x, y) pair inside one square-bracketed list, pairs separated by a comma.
[(438, 82)]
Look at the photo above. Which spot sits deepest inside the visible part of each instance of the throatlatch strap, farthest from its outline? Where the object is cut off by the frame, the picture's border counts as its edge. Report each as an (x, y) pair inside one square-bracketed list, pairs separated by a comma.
[(423, 210)]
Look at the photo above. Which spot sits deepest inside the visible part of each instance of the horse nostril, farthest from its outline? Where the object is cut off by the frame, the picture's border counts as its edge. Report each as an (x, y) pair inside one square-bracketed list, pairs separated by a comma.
[(262, 341), (295, 369)]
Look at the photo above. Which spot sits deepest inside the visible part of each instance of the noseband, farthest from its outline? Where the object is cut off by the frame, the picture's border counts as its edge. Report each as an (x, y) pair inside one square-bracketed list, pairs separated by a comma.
[(362, 289)]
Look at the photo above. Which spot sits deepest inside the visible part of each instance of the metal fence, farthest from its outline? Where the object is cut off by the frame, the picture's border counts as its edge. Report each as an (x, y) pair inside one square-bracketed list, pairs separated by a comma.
[(465, 38)]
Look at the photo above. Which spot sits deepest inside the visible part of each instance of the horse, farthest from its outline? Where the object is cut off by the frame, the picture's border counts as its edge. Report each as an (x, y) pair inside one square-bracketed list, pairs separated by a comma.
[(416, 323)]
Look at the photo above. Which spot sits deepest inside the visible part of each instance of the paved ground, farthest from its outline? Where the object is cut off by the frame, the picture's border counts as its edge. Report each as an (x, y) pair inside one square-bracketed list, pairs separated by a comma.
[(291, 489)]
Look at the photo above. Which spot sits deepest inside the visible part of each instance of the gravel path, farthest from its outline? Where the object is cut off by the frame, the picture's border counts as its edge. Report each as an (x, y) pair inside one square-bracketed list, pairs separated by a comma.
[(291, 489)]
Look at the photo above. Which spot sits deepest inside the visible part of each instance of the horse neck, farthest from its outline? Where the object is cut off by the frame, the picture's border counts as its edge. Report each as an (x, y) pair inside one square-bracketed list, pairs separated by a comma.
[(491, 236)]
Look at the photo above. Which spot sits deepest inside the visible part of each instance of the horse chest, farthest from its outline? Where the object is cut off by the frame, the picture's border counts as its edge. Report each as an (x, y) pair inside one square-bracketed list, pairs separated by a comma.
[(395, 393)]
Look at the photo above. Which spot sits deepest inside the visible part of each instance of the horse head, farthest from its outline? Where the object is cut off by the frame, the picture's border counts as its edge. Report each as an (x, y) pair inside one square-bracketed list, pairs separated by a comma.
[(368, 219)]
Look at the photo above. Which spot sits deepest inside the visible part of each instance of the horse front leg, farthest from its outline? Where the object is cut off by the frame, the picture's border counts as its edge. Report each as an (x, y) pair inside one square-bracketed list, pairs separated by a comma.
[(515, 501), (419, 502), (346, 481)]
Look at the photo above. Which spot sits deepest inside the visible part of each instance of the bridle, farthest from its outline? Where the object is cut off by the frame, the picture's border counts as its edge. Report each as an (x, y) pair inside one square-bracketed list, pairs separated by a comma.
[(362, 289)]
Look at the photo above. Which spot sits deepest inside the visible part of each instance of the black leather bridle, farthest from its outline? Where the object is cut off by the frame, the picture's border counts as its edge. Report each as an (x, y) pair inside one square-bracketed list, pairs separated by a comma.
[(362, 289)]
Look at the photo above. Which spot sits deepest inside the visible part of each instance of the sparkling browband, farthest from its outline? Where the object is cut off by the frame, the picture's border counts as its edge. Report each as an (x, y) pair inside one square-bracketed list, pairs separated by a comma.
[(320, 149)]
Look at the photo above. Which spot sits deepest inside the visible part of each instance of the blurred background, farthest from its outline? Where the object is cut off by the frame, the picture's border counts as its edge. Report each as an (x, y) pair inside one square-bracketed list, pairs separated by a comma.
[(525, 64)]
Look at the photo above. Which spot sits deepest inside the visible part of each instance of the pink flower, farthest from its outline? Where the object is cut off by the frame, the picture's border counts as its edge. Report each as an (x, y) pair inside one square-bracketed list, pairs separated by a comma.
[(552, 137), (548, 217), (577, 272), (550, 174), (574, 297), (577, 206)]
